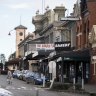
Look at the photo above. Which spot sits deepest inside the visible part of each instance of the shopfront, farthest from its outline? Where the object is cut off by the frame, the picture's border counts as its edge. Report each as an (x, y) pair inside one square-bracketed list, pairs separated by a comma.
[(73, 64)]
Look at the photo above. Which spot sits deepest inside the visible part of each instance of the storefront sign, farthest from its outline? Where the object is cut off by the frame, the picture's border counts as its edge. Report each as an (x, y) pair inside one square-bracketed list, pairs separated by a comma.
[(45, 46), (62, 46)]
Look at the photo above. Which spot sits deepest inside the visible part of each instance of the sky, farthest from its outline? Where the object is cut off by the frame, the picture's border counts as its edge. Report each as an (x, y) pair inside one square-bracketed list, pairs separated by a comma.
[(16, 12)]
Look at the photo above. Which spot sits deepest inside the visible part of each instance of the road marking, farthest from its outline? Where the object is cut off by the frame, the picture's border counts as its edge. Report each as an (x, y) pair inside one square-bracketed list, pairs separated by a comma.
[(40, 89), (18, 88)]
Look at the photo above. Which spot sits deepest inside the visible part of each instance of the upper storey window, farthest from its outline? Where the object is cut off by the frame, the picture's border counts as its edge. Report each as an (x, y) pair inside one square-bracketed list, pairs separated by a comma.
[(21, 33)]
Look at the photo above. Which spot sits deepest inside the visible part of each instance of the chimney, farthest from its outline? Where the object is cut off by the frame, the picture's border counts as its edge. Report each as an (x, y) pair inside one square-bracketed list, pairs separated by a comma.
[(59, 12)]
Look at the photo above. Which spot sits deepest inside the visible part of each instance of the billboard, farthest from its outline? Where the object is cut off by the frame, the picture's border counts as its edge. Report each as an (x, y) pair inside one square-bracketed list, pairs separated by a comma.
[(45, 47)]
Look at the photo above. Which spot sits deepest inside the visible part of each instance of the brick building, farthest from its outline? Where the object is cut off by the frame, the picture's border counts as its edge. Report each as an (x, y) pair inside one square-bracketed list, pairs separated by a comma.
[(88, 19)]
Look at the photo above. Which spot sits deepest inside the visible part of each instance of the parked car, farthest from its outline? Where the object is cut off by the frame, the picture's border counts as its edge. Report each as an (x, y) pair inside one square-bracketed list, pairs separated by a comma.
[(24, 74), (19, 73), (4, 92), (15, 73), (39, 80), (29, 77)]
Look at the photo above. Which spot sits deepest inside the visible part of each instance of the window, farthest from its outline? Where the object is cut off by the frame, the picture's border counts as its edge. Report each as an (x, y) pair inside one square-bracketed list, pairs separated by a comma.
[(20, 39), (57, 38), (51, 37), (21, 33)]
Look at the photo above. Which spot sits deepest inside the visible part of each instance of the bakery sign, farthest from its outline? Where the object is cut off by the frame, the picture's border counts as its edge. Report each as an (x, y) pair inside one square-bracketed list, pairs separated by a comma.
[(63, 46)]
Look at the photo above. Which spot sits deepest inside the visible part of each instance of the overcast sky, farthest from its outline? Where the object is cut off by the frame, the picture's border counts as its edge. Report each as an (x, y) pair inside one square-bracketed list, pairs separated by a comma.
[(12, 10)]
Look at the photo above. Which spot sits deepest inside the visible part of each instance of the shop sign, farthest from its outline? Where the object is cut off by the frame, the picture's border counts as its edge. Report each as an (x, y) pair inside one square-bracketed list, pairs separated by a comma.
[(45, 46), (62, 46)]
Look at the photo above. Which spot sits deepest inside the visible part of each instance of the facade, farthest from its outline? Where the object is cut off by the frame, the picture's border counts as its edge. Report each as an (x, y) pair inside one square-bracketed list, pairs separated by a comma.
[(41, 22), (25, 48), (92, 39), (13, 62), (45, 32), (60, 33), (88, 20)]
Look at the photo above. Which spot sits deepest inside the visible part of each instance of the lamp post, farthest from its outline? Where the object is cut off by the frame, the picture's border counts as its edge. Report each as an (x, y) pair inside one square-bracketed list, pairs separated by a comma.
[(11, 54), (10, 32), (10, 35)]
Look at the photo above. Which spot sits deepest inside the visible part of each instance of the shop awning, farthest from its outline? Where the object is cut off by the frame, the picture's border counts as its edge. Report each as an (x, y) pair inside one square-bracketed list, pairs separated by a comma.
[(79, 55), (41, 54), (28, 57), (13, 61)]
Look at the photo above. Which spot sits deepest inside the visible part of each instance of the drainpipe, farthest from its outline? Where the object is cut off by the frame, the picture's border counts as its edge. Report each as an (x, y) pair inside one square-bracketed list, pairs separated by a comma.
[(82, 76), (62, 79)]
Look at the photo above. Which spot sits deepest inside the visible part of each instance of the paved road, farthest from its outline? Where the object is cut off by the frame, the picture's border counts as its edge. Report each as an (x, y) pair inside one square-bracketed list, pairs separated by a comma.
[(20, 88)]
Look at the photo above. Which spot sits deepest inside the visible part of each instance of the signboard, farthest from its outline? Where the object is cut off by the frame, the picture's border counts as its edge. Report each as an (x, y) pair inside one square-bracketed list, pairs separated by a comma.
[(45, 46), (52, 68), (63, 46)]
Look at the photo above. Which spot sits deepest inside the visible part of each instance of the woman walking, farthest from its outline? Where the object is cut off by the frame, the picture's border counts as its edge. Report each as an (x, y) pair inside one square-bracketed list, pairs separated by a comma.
[(9, 77)]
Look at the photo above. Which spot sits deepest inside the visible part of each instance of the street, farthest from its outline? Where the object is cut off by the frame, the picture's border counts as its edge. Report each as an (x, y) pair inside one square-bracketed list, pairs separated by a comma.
[(21, 88)]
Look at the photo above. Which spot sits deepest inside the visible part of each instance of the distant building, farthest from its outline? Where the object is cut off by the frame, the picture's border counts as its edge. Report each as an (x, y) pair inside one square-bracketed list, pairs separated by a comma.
[(2, 60)]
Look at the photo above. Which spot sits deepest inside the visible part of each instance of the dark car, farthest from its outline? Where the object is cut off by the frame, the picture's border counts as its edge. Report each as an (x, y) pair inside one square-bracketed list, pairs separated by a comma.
[(29, 77), (39, 80)]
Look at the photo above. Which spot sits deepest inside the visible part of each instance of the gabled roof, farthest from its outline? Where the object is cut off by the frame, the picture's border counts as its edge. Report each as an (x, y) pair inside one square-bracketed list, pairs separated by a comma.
[(20, 27)]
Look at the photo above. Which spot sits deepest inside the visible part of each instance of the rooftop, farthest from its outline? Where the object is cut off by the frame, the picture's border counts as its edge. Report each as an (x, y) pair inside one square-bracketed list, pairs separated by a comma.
[(20, 27)]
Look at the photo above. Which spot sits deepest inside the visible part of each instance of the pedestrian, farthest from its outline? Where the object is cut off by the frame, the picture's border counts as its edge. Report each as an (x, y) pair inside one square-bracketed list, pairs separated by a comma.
[(9, 77)]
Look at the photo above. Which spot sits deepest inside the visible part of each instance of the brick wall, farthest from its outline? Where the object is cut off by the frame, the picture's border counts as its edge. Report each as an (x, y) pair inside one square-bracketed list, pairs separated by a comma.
[(92, 13)]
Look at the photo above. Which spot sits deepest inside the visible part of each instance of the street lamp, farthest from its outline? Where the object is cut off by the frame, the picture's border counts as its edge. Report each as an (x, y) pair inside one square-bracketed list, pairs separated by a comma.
[(10, 35), (10, 32)]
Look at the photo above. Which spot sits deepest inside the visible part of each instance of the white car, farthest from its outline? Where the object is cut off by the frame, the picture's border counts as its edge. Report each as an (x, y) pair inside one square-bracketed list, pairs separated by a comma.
[(4, 92)]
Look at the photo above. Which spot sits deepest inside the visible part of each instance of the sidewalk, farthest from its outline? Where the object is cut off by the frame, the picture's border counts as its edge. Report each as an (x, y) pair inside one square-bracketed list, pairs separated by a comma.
[(90, 88)]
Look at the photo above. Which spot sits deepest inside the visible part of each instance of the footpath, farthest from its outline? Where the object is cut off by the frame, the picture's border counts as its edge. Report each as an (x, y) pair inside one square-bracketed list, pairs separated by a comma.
[(90, 88)]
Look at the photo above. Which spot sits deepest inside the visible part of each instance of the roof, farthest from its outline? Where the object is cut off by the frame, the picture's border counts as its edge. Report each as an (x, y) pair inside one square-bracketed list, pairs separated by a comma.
[(13, 61), (20, 27)]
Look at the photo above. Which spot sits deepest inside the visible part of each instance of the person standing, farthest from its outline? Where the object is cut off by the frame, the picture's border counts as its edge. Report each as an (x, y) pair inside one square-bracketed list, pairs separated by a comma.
[(9, 77)]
